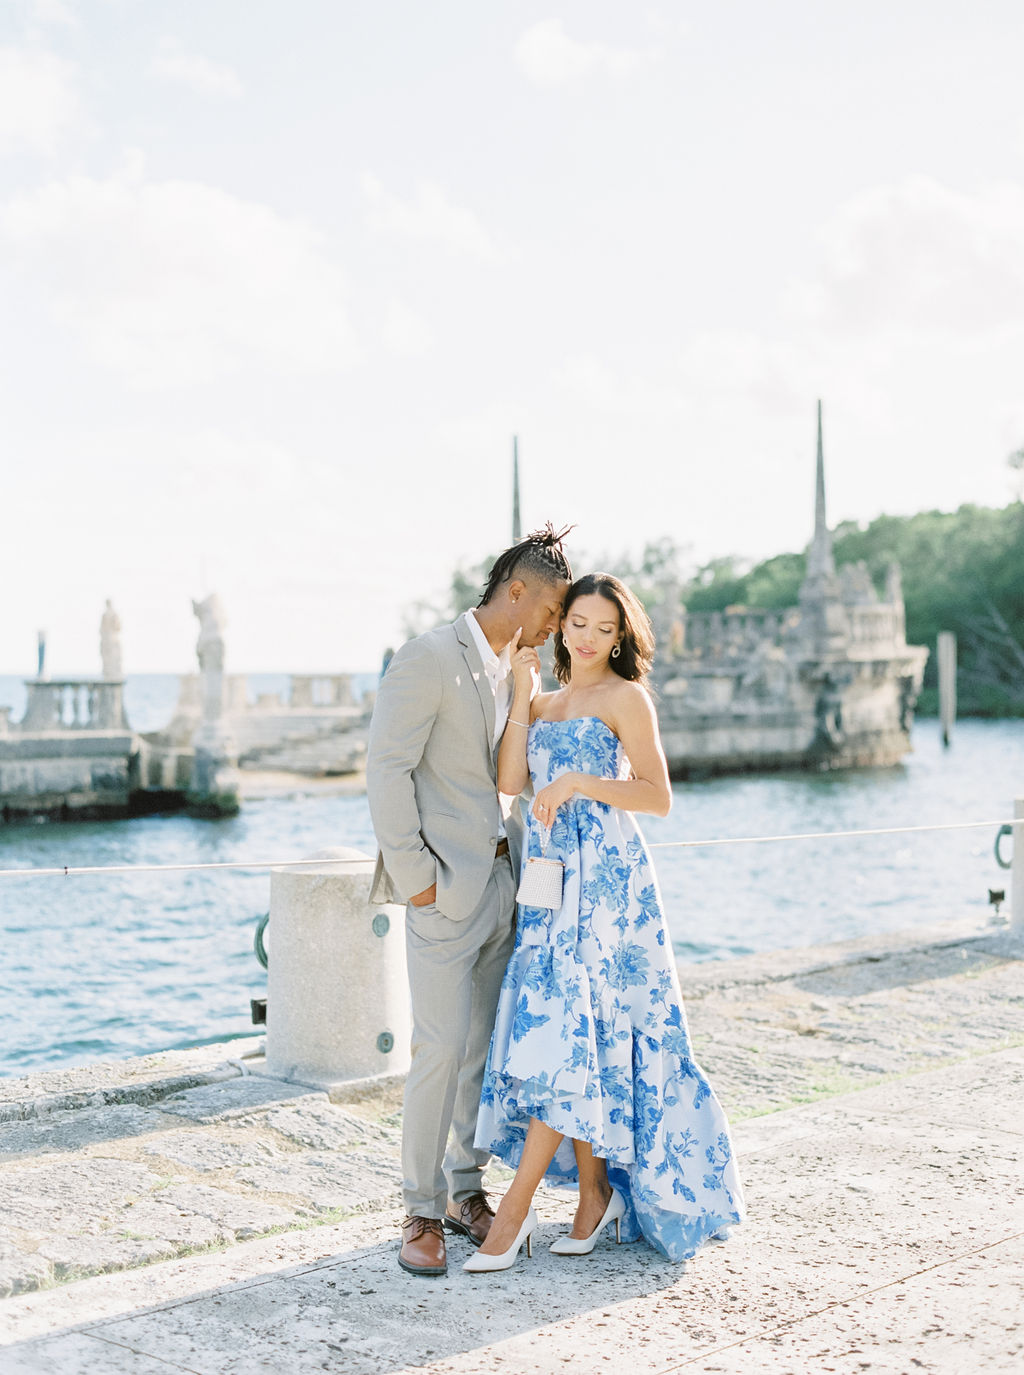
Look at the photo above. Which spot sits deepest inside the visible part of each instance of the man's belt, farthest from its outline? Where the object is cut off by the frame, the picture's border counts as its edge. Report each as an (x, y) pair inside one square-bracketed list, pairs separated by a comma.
[(502, 847)]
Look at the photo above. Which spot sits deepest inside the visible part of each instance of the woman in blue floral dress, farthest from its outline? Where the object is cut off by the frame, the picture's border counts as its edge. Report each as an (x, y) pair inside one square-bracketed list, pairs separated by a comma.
[(591, 1077)]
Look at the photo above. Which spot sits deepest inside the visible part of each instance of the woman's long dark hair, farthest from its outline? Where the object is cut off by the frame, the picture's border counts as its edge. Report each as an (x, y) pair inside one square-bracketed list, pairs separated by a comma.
[(636, 648)]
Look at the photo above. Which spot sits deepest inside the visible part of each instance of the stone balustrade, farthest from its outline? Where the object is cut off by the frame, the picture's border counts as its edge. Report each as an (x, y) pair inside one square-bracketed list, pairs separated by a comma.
[(305, 692), (73, 704), (877, 625), (732, 632), (321, 690)]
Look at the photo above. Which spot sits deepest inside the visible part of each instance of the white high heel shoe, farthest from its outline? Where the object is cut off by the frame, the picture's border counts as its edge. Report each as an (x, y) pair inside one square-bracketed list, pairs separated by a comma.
[(479, 1264), (572, 1246)]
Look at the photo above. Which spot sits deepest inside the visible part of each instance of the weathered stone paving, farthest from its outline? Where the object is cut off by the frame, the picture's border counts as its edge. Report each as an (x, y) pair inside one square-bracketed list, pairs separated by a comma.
[(94, 1189), (878, 1093), (798, 1025)]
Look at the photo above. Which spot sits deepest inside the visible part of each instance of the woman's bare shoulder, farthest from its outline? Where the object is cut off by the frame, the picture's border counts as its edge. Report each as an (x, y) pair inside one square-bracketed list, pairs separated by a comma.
[(541, 703), (632, 696), (630, 702)]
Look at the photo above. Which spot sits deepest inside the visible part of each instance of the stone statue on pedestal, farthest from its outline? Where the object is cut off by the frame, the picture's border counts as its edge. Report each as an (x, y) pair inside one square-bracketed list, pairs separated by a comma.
[(210, 652), (110, 643), (214, 790)]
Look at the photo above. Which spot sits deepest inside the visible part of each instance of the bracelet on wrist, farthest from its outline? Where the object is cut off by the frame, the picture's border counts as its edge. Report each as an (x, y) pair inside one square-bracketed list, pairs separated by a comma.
[(525, 724)]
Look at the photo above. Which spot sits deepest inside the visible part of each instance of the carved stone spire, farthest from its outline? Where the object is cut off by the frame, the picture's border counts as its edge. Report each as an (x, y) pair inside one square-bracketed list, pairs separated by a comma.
[(820, 563), (824, 616)]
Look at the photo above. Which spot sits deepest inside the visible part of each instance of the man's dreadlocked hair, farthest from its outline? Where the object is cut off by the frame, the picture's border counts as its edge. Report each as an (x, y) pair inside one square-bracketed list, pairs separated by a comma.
[(540, 554)]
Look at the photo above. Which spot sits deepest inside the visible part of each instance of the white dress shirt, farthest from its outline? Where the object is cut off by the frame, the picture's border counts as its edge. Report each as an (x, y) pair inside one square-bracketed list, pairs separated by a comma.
[(497, 668)]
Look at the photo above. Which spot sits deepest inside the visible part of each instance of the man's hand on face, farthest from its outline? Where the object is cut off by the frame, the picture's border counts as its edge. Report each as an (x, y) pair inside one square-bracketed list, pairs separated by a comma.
[(525, 665), (425, 898)]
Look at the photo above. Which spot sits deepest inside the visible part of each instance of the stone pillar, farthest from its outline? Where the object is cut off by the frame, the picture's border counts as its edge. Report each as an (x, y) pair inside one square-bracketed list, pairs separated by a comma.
[(1017, 870), (301, 694), (341, 690), (214, 788), (337, 989), (110, 643), (43, 706), (107, 710)]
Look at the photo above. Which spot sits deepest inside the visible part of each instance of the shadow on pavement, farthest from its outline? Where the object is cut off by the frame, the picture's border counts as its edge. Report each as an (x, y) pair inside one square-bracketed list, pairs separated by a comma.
[(356, 1312)]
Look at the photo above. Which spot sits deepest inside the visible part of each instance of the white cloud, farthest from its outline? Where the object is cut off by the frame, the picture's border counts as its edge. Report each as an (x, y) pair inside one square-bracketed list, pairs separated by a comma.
[(549, 57), (912, 334), (430, 217), (268, 526), (202, 74), (775, 373), (53, 12), (38, 100), (404, 332), (171, 283), (592, 384), (921, 257)]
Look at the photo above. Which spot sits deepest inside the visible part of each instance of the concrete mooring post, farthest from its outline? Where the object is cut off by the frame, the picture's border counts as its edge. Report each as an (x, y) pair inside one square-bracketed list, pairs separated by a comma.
[(337, 990)]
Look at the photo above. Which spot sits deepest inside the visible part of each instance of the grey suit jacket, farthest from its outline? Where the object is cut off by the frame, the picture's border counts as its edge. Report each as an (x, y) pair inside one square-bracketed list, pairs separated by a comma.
[(430, 774)]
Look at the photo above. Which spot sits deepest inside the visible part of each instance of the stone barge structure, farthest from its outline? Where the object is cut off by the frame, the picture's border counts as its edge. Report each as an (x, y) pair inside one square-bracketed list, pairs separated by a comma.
[(828, 684), (74, 754)]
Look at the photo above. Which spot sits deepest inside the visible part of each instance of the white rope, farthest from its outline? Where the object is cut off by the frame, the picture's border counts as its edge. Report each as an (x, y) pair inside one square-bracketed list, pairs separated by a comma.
[(68, 871), (834, 835)]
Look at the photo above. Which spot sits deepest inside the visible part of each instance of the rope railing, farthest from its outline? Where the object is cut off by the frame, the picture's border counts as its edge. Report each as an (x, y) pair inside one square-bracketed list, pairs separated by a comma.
[(79, 871), (835, 835)]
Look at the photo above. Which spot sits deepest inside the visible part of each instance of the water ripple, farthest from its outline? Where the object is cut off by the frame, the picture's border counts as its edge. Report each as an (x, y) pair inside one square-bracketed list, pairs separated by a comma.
[(129, 964)]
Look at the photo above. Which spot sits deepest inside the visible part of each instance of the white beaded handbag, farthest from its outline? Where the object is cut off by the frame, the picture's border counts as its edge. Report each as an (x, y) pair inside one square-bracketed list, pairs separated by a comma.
[(541, 883)]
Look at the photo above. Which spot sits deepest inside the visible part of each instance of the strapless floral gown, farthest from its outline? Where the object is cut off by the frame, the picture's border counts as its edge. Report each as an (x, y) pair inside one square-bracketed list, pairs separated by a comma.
[(591, 1036)]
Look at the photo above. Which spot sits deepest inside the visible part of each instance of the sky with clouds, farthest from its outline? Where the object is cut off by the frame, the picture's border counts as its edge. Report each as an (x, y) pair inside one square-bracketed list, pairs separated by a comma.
[(278, 283)]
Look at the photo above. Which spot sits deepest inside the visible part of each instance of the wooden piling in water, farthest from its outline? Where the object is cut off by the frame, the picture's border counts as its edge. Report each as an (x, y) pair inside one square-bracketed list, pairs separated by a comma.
[(947, 683)]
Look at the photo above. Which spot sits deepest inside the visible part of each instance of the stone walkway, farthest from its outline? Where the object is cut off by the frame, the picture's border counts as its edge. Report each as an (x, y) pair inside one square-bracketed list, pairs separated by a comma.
[(182, 1213)]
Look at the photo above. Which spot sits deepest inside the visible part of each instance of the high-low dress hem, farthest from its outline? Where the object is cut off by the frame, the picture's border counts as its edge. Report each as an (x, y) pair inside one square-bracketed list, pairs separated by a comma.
[(590, 1035)]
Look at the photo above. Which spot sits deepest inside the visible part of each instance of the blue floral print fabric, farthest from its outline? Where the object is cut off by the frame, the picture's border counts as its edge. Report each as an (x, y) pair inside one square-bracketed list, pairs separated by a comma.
[(591, 1036)]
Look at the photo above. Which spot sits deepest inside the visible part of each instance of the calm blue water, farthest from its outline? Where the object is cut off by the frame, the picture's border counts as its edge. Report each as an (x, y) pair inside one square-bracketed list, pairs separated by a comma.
[(112, 966)]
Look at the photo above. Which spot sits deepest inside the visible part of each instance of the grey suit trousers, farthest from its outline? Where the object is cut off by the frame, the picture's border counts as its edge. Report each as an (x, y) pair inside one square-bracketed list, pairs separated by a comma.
[(455, 974)]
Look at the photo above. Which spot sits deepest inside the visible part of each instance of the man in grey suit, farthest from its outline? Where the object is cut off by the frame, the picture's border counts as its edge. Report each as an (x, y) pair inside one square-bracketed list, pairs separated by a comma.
[(449, 851)]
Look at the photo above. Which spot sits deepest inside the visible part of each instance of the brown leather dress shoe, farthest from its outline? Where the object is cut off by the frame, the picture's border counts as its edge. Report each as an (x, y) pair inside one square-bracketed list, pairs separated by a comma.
[(472, 1217), (422, 1250)]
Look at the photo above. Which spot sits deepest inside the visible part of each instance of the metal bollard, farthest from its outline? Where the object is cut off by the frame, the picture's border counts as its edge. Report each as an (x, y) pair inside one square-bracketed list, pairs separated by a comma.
[(337, 990), (1017, 870)]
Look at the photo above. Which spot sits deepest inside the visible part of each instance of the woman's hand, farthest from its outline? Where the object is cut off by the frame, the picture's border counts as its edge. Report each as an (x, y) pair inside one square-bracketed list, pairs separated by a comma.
[(525, 667), (549, 799)]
